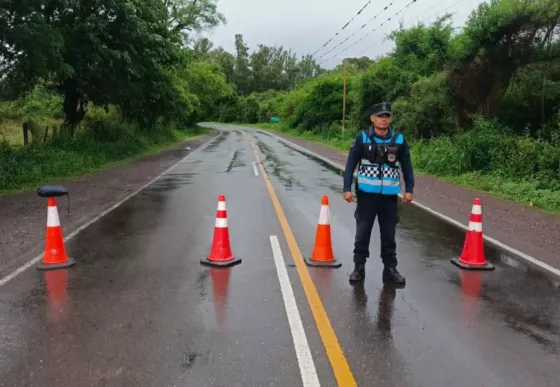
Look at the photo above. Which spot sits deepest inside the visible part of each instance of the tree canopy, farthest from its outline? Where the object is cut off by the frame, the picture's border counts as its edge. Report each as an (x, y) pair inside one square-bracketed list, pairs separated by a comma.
[(150, 62)]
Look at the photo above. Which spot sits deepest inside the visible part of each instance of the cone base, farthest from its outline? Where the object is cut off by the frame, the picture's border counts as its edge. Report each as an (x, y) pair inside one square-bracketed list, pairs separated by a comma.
[(56, 266), (231, 262), (311, 262), (487, 266)]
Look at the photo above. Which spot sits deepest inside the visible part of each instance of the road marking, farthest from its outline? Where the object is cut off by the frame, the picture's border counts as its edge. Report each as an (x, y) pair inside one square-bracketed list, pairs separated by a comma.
[(35, 260), (446, 218), (255, 169), (493, 241), (339, 364), (305, 360)]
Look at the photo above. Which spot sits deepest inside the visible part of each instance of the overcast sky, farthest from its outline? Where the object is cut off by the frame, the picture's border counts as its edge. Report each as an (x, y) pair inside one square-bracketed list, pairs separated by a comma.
[(305, 25)]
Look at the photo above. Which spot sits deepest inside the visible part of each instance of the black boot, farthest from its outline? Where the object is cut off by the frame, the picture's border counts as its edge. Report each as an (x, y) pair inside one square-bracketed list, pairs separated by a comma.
[(359, 272), (392, 274)]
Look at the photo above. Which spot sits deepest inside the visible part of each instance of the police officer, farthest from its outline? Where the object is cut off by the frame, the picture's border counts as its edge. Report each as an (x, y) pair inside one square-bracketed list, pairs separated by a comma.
[(382, 154)]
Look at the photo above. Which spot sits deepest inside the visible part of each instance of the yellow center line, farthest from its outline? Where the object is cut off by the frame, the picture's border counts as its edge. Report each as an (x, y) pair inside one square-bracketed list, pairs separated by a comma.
[(339, 364)]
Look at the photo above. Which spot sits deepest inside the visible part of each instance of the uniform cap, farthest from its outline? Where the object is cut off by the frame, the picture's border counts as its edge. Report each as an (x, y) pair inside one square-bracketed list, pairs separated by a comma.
[(381, 108)]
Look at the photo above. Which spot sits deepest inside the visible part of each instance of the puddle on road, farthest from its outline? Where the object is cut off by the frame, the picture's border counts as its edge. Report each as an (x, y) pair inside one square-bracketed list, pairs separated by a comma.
[(171, 182), (313, 158), (264, 133), (191, 162), (216, 143), (327, 183), (525, 298), (201, 284), (236, 161), (525, 305), (277, 166)]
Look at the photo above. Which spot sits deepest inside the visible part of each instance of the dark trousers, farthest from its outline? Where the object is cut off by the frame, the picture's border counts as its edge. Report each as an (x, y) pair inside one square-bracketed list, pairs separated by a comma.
[(385, 208)]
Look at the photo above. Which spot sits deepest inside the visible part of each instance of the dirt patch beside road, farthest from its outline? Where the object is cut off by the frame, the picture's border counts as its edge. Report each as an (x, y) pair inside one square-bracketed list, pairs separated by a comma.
[(23, 215)]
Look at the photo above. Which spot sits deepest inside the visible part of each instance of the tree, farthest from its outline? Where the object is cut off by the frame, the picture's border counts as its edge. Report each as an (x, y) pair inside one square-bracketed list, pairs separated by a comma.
[(501, 37), (205, 80), (202, 48), (360, 64), (187, 16), (119, 52), (226, 61), (241, 72), (424, 50)]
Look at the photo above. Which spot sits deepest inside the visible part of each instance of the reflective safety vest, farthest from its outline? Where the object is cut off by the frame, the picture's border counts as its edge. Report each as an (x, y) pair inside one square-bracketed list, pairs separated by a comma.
[(375, 176)]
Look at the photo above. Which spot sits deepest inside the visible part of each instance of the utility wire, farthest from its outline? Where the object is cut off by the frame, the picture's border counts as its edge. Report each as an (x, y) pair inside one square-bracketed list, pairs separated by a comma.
[(354, 33), (429, 8), (343, 27), (443, 10), (375, 29)]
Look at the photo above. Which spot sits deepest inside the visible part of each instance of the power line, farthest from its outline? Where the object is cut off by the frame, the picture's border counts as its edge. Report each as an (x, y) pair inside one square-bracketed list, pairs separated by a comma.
[(375, 29), (429, 8), (354, 33), (443, 10), (343, 27)]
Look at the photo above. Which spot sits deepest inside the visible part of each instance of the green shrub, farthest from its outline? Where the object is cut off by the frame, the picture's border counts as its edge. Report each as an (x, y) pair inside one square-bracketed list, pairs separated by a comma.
[(104, 139), (426, 113), (490, 158), (440, 156)]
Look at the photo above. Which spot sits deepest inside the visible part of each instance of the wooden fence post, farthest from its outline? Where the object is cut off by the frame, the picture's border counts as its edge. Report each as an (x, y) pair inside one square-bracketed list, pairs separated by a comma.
[(25, 134)]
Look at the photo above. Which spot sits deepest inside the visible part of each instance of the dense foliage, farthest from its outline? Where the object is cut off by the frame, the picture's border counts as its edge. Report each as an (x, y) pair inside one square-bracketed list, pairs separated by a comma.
[(481, 105), (98, 81)]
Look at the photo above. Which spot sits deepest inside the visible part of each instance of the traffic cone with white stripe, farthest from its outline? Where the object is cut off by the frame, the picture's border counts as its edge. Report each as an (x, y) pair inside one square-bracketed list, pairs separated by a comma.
[(55, 256), (322, 255), (472, 257), (220, 253)]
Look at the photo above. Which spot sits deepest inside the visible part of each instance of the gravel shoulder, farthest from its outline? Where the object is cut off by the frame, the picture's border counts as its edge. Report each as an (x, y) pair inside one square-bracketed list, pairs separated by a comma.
[(526, 229), (23, 215)]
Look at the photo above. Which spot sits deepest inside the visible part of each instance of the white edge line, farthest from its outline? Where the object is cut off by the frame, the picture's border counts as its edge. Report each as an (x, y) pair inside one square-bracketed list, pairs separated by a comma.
[(305, 360), (35, 260), (433, 212), (255, 168)]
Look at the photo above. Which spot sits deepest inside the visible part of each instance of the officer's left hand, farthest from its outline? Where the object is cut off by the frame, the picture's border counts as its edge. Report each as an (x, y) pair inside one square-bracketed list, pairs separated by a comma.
[(407, 198)]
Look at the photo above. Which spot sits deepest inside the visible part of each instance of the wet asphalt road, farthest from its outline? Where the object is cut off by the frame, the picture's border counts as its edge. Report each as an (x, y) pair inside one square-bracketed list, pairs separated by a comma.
[(139, 310)]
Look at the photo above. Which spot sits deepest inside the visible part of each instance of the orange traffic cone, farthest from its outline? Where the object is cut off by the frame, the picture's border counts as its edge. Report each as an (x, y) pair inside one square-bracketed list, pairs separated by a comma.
[(220, 254), (55, 254), (322, 252), (472, 257)]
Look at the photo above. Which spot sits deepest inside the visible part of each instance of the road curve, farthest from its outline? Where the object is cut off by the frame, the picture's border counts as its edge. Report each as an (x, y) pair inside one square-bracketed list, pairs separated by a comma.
[(138, 309)]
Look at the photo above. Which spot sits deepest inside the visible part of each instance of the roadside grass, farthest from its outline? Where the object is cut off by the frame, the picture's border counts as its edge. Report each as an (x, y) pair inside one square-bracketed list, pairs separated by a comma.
[(24, 168), (11, 132), (529, 192)]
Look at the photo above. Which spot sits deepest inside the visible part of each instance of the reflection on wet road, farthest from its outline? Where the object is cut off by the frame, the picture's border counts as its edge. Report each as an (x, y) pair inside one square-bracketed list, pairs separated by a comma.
[(139, 310)]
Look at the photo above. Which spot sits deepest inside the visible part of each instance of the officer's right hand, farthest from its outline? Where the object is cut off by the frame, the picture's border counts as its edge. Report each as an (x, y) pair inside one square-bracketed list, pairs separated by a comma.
[(348, 197)]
